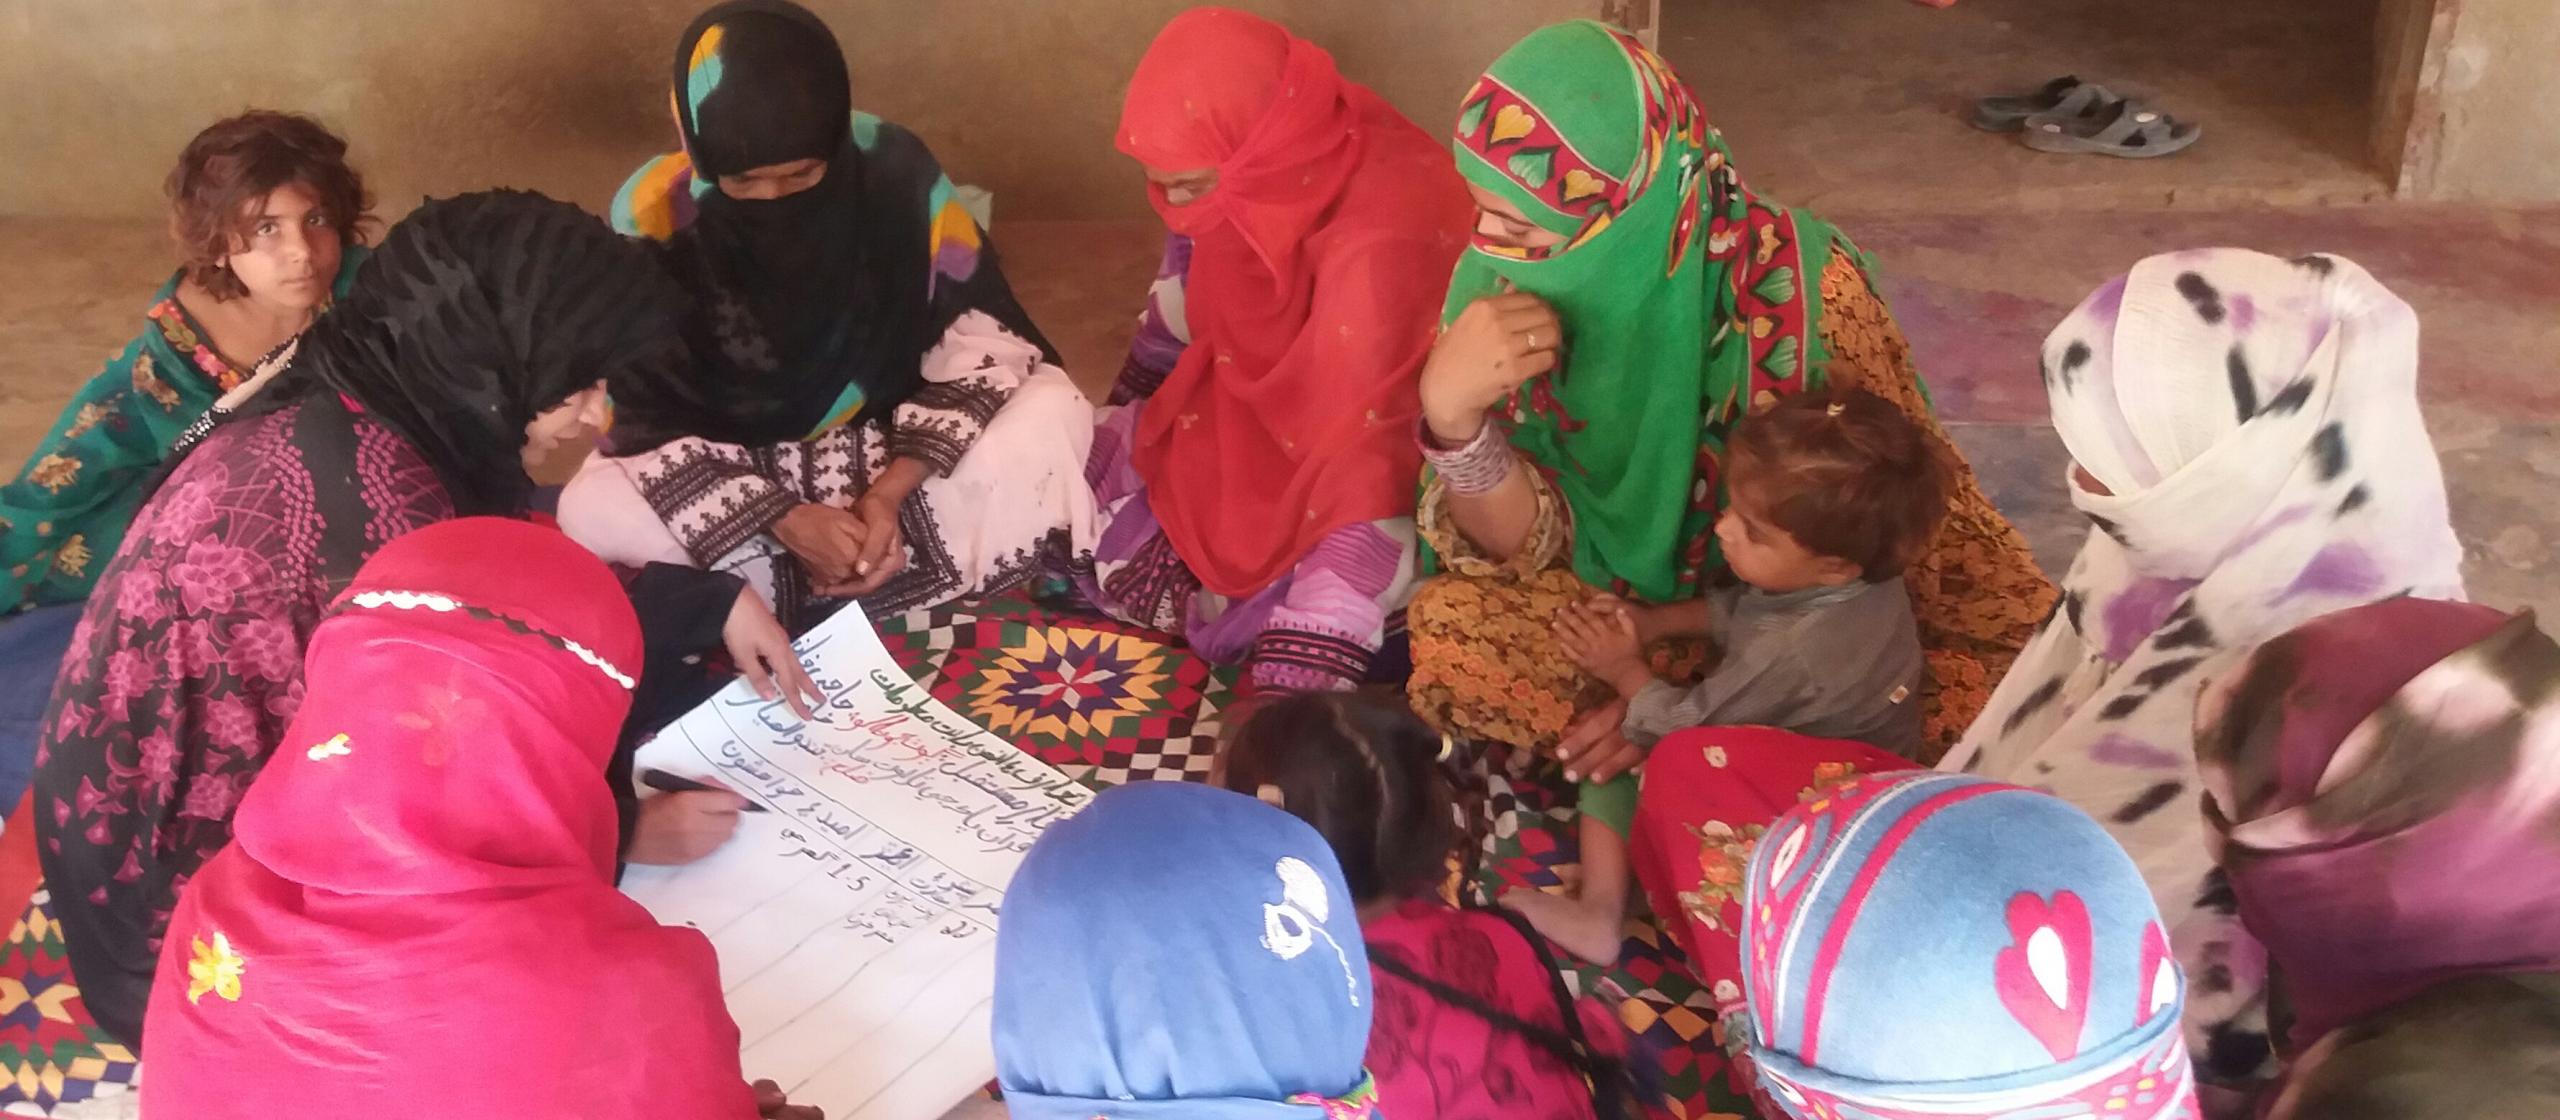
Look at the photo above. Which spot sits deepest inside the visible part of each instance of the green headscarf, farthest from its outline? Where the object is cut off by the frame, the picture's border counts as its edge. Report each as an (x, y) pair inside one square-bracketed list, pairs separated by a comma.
[(1683, 297)]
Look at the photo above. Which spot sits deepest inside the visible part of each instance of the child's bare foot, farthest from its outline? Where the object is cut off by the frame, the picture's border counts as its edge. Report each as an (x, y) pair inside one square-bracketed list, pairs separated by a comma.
[(1588, 932)]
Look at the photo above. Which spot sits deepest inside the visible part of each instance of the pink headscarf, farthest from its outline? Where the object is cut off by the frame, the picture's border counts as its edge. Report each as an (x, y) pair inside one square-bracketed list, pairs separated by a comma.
[(417, 917)]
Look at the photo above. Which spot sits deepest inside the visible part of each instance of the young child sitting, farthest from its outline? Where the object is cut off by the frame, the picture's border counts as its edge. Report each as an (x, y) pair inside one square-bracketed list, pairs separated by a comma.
[(1828, 497), (1472, 1021)]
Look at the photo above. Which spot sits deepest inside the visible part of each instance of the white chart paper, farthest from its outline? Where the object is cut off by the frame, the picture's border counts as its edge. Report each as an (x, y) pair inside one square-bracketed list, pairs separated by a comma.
[(855, 922)]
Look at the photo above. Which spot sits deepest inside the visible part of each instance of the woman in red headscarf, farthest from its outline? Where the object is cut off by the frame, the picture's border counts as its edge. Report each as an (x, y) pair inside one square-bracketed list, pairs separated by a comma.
[(1258, 483), (417, 914)]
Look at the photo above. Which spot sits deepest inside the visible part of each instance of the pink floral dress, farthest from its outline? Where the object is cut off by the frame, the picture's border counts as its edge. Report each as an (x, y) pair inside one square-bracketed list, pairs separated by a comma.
[(188, 664)]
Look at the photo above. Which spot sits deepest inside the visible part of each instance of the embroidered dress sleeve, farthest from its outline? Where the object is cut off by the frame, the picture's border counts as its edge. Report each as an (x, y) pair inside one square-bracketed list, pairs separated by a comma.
[(67, 511), (713, 496), (1164, 329), (1549, 544), (684, 613)]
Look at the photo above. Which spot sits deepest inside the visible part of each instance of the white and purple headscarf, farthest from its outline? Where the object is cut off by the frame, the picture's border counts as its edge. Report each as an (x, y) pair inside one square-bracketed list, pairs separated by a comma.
[(1941, 947), (2254, 425)]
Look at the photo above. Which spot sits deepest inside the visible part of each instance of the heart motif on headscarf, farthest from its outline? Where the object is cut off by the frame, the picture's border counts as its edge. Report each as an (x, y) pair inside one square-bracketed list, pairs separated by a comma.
[(1512, 123), (2159, 974), (1782, 863), (1580, 184), (2043, 973)]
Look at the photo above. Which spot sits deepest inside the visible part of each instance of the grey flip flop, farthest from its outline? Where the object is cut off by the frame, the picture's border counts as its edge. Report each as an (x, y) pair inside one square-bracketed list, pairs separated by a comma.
[(2065, 96), (2125, 129)]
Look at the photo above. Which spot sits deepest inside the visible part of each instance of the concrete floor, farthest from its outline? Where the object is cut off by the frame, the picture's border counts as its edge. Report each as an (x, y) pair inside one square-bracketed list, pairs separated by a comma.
[(1863, 104)]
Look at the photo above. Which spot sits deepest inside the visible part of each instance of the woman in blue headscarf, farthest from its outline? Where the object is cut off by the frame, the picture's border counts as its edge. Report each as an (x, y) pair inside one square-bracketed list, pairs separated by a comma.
[(1943, 947), (1227, 984)]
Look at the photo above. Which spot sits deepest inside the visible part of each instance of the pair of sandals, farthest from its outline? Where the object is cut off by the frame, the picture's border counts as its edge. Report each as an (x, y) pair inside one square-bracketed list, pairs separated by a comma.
[(2074, 117)]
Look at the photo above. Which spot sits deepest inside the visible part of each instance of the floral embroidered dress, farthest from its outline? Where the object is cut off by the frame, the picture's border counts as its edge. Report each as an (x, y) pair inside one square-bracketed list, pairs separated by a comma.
[(1442, 976), (188, 667), (1002, 428), (1709, 795), (66, 512), (406, 405)]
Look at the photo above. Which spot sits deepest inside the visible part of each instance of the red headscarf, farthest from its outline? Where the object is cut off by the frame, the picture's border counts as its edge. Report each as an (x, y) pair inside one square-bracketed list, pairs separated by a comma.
[(1317, 269), (417, 916)]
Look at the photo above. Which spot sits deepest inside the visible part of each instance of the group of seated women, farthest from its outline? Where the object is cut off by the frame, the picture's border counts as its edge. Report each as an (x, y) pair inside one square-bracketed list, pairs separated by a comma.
[(1596, 453)]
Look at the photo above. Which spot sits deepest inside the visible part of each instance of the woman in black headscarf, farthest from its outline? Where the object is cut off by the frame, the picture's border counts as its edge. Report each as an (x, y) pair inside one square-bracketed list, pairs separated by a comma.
[(472, 343), (868, 413)]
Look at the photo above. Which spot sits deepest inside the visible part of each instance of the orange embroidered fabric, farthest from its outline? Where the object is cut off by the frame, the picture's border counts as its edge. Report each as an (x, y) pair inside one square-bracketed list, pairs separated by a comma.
[(1486, 665)]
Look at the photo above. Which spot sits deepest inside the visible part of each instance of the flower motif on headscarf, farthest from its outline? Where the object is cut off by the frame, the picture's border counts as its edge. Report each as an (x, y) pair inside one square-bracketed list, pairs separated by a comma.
[(215, 968), (334, 748), (1291, 926)]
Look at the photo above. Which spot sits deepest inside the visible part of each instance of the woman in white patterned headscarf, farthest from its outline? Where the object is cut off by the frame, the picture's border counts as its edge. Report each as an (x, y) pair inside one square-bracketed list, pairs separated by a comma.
[(2247, 446)]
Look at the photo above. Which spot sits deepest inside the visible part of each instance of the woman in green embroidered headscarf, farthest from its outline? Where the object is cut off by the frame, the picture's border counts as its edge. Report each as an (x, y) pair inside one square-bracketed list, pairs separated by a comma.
[(1625, 302)]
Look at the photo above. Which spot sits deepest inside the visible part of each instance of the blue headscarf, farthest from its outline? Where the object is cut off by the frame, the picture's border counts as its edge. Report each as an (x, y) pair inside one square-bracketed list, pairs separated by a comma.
[(1947, 946), (1176, 950)]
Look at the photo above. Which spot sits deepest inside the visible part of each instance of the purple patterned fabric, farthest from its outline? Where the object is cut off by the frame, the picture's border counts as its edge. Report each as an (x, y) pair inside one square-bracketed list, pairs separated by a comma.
[(1315, 628), (2377, 779), (188, 664), (1163, 332), (2243, 474)]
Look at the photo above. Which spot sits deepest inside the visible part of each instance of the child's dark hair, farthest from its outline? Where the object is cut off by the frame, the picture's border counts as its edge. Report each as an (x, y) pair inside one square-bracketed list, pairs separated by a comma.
[(1364, 771), (1846, 474)]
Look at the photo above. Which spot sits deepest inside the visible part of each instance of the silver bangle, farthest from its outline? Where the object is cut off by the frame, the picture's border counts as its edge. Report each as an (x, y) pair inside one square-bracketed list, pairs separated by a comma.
[(1473, 469)]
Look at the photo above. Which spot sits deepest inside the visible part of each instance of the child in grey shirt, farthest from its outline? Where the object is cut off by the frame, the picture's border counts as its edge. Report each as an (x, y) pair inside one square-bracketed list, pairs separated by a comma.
[(1829, 495), (1836, 661)]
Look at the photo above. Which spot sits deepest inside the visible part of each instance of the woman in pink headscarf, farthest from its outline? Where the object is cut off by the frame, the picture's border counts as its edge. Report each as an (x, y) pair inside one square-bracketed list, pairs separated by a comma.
[(417, 915)]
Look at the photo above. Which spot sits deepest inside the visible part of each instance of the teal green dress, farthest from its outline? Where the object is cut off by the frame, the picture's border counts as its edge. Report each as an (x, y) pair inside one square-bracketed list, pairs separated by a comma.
[(63, 516)]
